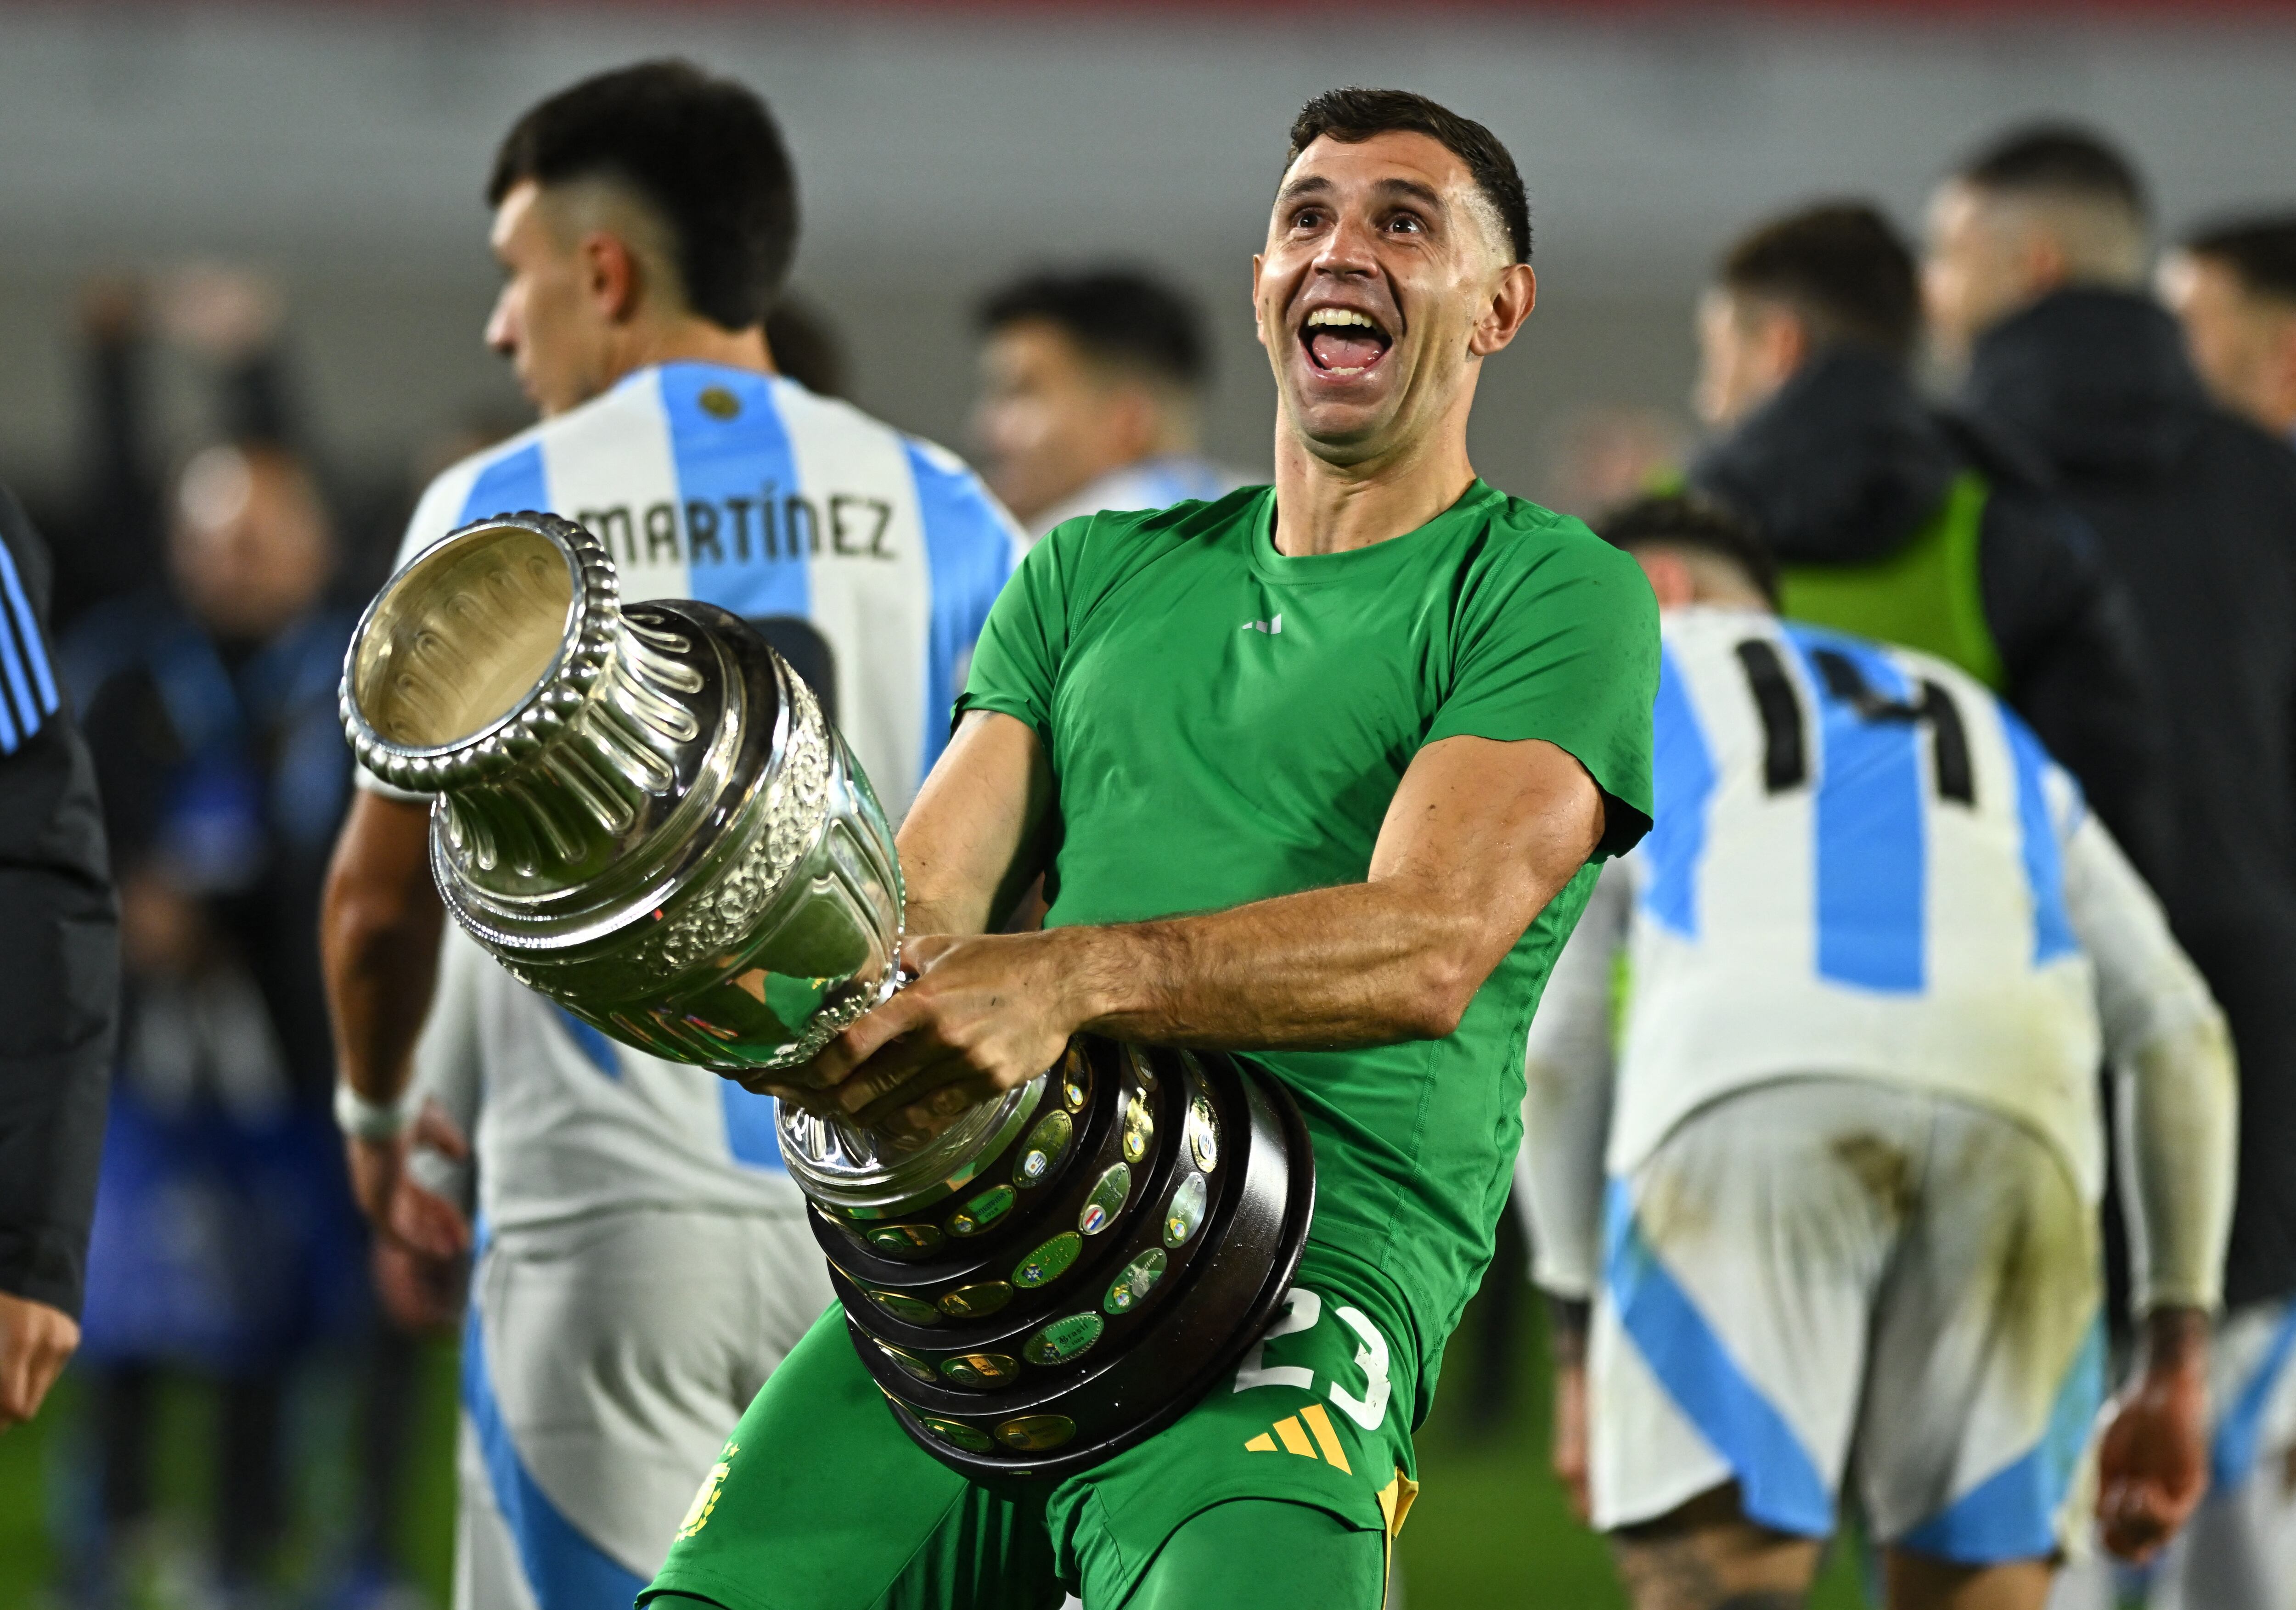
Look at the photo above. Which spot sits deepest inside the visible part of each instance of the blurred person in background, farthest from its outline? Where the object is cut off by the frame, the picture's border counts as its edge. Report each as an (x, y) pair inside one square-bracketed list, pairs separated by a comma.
[(58, 986), (1602, 455), (226, 1242), (645, 1261), (1897, 522), (2036, 274), (111, 531), (1092, 387), (2232, 286), (1833, 1209), (226, 319)]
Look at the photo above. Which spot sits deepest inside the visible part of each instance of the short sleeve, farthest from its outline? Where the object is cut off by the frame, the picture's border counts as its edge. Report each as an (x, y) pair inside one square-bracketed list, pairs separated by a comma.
[(1019, 655), (1562, 644)]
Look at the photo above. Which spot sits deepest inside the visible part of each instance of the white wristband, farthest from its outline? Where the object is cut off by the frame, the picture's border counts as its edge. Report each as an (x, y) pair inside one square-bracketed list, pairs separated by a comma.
[(364, 1120)]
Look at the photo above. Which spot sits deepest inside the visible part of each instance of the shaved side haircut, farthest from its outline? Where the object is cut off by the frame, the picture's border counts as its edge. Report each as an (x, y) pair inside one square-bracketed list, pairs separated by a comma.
[(2078, 186), (699, 155), (1352, 116)]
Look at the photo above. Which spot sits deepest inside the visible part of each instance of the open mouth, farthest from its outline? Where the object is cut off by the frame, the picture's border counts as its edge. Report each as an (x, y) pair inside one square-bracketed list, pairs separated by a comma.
[(1344, 342)]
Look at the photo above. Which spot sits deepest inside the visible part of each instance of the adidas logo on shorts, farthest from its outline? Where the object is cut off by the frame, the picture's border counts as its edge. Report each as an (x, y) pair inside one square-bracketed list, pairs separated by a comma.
[(1294, 1438)]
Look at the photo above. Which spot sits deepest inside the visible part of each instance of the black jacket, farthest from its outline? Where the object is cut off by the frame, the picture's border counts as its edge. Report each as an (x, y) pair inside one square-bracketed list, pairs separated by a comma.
[(2196, 511), (58, 948), (1846, 464)]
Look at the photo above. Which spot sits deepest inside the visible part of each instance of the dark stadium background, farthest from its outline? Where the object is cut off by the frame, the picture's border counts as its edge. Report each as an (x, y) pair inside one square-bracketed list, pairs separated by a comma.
[(338, 150)]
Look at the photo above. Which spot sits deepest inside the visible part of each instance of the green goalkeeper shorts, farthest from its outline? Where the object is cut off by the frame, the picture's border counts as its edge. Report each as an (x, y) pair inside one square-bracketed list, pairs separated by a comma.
[(1285, 1485)]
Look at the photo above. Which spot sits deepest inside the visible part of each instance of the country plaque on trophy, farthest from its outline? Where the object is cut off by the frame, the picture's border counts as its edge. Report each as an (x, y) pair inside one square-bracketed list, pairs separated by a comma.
[(642, 813)]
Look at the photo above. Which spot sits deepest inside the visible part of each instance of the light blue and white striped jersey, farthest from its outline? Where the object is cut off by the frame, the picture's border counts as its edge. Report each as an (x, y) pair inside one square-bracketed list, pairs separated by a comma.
[(1864, 867), (869, 560), (1858, 867), (876, 555)]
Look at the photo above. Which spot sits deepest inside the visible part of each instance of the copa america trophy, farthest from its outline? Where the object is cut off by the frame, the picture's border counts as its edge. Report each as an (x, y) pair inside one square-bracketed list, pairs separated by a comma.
[(643, 814)]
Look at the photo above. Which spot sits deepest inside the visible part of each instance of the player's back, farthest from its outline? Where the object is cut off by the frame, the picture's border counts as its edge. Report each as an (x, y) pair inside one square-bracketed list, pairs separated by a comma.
[(1855, 871), (869, 560), (868, 557)]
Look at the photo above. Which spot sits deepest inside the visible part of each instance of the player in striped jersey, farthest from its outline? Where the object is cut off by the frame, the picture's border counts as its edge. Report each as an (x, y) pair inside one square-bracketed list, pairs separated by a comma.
[(1839, 1192), (641, 1260)]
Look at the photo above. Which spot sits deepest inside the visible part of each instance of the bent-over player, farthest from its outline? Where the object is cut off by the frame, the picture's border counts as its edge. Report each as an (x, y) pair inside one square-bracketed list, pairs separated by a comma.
[(1836, 1208), (644, 1262), (1314, 773)]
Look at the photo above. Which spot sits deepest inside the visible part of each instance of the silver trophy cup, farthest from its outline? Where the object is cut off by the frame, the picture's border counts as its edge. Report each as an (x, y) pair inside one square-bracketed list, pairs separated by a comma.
[(642, 813)]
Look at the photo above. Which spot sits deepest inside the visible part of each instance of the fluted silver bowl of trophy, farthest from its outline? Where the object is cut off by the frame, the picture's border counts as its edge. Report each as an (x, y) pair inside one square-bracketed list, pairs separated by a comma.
[(643, 814)]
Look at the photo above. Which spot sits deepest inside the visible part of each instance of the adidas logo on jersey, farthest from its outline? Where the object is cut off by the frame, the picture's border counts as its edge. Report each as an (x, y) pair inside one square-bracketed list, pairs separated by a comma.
[(1289, 1431), (1271, 626)]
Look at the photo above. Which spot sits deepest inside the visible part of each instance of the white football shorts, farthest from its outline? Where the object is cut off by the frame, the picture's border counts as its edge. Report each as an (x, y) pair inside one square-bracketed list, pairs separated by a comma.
[(1824, 1277), (605, 1363)]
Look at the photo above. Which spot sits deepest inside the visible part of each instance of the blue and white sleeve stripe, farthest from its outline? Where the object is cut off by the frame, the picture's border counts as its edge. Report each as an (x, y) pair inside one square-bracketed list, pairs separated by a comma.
[(970, 544), (29, 681)]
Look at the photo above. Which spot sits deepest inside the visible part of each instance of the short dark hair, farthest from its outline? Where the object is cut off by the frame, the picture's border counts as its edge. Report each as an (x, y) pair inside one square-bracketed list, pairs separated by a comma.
[(1353, 115), (702, 153), (1118, 315), (1687, 521), (2057, 159), (2261, 250), (1842, 267)]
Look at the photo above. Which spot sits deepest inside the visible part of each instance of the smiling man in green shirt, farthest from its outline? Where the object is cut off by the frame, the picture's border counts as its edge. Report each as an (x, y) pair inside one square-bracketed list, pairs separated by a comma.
[(1316, 774)]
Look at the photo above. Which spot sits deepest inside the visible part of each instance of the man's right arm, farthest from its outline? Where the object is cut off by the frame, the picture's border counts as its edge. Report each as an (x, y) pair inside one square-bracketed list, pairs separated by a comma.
[(974, 841), (1566, 1122), (2175, 1084), (1566, 1104), (2176, 1093), (379, 932)]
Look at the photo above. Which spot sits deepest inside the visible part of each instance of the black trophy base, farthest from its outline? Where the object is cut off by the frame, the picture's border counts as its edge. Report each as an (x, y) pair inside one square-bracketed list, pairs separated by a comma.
[(1135, 1263)]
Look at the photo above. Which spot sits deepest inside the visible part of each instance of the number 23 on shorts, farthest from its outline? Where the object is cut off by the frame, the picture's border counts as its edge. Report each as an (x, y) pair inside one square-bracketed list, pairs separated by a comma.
[(1303, 1311)]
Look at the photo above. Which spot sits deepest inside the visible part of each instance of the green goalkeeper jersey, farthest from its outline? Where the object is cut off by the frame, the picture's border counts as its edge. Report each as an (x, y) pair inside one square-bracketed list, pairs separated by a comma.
[(1225, 723)]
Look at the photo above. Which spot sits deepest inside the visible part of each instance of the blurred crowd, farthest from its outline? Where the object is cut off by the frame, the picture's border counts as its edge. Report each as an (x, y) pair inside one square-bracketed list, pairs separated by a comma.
[(2038, 436)]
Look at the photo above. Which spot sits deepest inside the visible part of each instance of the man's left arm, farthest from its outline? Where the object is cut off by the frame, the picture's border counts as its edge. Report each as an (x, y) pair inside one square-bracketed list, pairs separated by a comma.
[(1481, 835), (59, 987)]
